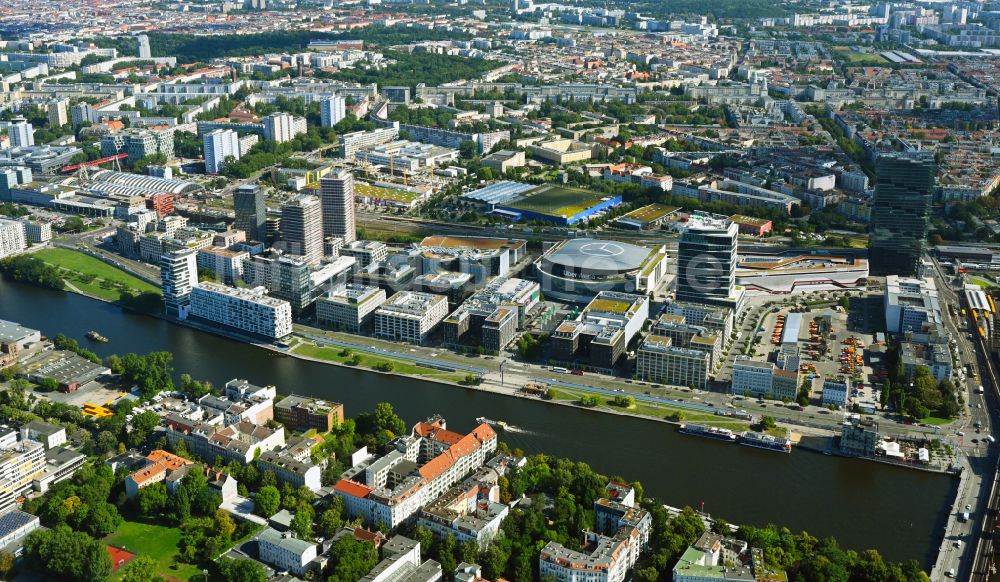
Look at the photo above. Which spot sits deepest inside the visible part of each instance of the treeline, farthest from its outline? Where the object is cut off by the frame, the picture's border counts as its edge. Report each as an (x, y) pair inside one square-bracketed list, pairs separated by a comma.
[(27, 269), (190, 47), (921, 395), (411, 69), (715, 9), (558, 507)]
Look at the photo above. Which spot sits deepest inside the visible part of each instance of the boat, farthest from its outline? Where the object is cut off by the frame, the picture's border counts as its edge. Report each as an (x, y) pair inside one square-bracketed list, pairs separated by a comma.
[(759, 440), (494, 423), (93, 335), (711, 432)]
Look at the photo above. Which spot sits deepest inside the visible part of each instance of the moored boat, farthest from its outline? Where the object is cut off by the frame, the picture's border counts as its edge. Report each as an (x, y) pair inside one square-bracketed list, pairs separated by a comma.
[(711, 432)]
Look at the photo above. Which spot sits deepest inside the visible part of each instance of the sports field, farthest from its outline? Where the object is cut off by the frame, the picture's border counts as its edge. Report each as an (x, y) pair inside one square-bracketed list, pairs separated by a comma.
[(558, 200)]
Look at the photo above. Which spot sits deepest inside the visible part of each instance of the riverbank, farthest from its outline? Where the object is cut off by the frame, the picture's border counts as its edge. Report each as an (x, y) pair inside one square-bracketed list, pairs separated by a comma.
[(678, 469)]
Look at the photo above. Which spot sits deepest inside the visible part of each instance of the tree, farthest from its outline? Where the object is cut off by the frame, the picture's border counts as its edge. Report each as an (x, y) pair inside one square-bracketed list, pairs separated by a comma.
[(143, 425), (329, 522), (241, 570), (267, 501), (767, 422), (63, 552), (446, 553), (6, 564), (302, 522), (352, 559), (140, 569), (152, 499)]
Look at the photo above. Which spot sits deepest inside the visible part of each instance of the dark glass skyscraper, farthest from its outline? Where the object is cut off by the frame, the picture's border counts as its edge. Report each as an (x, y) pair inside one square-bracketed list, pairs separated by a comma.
[(251, 214), (904, 190)]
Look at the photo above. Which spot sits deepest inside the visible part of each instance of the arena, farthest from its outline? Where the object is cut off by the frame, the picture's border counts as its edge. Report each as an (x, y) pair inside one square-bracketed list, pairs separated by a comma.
[(577, 270)]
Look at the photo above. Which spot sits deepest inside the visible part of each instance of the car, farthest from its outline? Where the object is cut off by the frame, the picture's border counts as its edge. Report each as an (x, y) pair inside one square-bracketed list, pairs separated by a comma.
[(968, 507), (958, 544), (950, 573)]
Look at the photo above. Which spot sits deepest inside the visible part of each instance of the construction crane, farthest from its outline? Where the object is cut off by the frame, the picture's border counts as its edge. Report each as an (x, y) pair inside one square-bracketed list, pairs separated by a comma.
[(97, 162)]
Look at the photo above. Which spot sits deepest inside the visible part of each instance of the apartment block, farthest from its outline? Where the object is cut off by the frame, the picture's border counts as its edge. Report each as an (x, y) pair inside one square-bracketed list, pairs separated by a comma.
[(247, 310), (160, 466), (227, 265), (764, 380), (238, 442), (12, 240), (288, 470), (418, 469), (20, 463), (304, 413)]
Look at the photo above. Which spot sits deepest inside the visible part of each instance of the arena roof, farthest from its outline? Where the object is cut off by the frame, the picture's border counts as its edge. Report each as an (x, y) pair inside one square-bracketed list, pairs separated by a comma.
[(601, 254)]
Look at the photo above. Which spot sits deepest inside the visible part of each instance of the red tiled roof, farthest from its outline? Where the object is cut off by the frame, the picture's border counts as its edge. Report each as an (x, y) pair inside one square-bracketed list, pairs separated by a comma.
[(353, 489)]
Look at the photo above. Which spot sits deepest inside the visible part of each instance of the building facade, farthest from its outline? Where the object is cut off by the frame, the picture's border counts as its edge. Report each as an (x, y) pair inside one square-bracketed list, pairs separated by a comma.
[(904, 191)]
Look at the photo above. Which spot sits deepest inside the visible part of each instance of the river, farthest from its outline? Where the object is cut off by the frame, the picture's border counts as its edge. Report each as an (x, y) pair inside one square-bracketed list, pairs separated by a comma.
[(899, 511)]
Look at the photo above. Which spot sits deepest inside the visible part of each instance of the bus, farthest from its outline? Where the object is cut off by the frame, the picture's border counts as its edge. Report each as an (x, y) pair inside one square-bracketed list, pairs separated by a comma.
[(560, 370)]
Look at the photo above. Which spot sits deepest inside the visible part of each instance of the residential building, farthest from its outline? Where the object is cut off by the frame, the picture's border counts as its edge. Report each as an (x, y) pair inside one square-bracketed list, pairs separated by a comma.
[(57, 112), (290, 278), (410, 316), (302, 228), (251, 212), (179, 275), (20, 463), (401, 563), (139, 143), (218, 145), (247, 310), (291, 471), (21, 133), (714, 557), (332, 110), (350, 307), (337, 196), (236, 442), (420, 467), (49, 435), (12, 240), (282, 127), (253, 409), (365, 252), (160, 466), (304, 413), (142, 46), (904, 190), (285, 552), (352, 143), (469, 511), (227, 265)]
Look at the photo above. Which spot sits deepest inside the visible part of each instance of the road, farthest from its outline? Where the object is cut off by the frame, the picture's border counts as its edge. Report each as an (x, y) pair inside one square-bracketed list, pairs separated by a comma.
[(962, 555)]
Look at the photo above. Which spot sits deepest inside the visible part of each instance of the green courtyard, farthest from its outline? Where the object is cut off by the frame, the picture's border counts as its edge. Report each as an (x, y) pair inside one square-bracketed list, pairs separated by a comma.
[(156, 542)]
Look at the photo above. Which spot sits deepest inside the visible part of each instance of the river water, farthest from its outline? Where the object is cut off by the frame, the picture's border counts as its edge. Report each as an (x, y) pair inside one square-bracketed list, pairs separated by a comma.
[(899, 511)]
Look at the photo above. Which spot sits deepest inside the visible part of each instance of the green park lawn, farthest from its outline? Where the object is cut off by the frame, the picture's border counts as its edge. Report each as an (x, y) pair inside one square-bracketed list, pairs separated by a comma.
[(655, 410), (93, 276), (153, 541), (936, 420), (333, 354)]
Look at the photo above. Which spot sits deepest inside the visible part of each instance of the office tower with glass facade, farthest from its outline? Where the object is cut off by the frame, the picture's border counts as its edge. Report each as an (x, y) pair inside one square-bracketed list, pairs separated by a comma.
[(251, 213), (904, 190)]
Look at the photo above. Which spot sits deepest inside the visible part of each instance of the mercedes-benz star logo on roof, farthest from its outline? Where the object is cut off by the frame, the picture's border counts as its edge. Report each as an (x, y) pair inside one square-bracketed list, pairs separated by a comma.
[(601, 249)]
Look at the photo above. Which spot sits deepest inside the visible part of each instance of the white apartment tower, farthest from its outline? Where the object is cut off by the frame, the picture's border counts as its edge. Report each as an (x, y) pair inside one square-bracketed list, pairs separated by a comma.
[(219, 145), (179, 275), (337, 195), (57, 112), (22, 133), (332, 110), (302, 228), (142, 44), (282, 127)]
